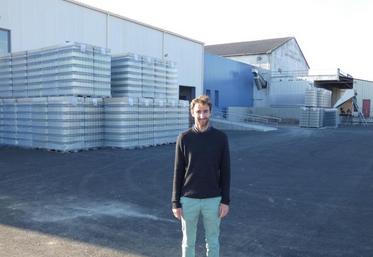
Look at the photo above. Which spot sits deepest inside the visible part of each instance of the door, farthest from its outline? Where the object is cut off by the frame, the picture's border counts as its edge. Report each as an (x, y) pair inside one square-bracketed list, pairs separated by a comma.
[(187, 93), (366, 108)]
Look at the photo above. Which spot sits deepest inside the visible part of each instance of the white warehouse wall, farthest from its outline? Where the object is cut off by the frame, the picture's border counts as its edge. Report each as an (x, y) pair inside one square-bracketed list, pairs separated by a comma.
[(288, 59), (364, 90), (190, 55), (40, 23), (263, 63)]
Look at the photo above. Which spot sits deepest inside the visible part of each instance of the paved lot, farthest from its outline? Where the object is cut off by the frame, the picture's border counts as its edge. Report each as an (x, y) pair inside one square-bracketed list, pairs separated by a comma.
[(295, 192)]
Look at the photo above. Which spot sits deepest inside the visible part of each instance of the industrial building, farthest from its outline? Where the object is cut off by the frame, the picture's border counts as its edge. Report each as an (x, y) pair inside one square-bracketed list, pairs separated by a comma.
[(275, 60), (228, 82), (27, 25), (76, 77), (281, 76)]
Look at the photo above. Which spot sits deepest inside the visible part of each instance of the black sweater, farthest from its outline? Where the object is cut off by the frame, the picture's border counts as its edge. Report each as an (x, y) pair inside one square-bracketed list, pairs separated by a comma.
[(202, 166)]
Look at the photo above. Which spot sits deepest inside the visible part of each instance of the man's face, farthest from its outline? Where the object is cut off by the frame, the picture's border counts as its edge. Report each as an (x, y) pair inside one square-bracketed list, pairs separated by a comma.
[(201, 114)]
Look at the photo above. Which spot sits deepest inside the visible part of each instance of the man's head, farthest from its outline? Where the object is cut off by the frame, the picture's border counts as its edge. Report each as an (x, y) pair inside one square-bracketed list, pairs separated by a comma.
[(200, 109)]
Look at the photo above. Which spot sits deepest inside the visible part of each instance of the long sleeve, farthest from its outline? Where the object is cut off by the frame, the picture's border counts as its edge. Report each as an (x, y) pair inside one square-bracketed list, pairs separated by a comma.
[(179, 172), (225, 173)]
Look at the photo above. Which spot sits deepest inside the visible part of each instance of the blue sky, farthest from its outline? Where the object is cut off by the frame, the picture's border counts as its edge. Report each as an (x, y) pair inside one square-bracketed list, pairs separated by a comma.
[(332, 34)]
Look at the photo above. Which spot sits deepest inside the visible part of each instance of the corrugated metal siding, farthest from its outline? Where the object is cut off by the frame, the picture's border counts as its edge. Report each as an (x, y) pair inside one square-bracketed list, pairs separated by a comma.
[(287, 92), (188, 56), (41, 23), (124, 36), (233, 80), (287, 59), (364, 90), (261, 61)]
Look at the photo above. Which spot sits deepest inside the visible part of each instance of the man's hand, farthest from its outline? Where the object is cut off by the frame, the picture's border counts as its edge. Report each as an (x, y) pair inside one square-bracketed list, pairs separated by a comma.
[(223, 210), (177, 213)]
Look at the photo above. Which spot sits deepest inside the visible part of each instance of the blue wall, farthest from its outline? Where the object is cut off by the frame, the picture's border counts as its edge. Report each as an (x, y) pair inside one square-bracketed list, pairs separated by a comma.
[(231, 79)]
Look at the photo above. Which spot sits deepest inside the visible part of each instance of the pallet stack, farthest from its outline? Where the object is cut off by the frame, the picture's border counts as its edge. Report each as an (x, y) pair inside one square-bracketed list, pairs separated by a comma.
[(52, 97), (317, 112), (59, 98)]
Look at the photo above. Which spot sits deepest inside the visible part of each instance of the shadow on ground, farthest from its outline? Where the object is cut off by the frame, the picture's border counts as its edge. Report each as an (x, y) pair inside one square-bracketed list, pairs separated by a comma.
[(295, 192)]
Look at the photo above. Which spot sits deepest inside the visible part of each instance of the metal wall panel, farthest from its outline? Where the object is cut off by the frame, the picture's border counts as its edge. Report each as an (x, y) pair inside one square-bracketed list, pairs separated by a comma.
[(125, 36), (287, 91), (40, 23), (188, 56), (364, 90), (233, 80), (288, 59)]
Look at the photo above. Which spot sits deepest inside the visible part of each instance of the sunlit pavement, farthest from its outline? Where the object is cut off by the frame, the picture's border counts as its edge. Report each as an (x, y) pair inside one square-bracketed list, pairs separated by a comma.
[(295, 192)]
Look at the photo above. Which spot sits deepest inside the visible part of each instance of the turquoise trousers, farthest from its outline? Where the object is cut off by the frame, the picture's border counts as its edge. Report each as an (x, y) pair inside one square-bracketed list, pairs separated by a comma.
[(192, 208)]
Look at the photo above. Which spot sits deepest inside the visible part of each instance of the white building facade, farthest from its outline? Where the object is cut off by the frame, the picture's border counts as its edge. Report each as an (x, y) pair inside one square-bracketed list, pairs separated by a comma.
[(280, 61), (27, 25)]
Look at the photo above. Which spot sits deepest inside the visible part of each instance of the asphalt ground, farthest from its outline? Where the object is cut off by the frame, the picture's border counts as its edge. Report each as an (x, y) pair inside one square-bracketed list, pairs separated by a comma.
[(295, 192)]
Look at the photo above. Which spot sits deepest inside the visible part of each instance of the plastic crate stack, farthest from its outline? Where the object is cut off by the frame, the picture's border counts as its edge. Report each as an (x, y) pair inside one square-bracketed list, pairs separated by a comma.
[(126, 76), (1, 121), (134, 75), (330, 118), (70, 69), (148, 86), (65, 123), (183, 115), (52, 97), (141, 122), (93, 122), (121, 122), (171, 81), (6, 76), (160, 120), (317, 112)]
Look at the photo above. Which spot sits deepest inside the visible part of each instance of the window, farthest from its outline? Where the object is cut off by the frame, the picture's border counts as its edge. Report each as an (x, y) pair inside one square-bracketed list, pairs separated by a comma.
[(4, 41), (208, 92), (216, 98)]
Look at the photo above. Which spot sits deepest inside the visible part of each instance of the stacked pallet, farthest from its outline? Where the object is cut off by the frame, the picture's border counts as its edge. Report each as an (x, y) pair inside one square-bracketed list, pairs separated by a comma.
[(317, 112), (5, 76), (58, 98), (54, 123), (70, 69), (141, 122), (139, 76), (52, 97)]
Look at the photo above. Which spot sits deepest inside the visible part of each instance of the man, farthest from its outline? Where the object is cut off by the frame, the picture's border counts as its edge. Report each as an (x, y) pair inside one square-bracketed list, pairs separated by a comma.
[(201, 179)]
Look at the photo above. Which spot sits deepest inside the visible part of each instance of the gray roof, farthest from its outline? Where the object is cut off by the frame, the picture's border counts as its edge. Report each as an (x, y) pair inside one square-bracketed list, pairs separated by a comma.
[(265, 46)]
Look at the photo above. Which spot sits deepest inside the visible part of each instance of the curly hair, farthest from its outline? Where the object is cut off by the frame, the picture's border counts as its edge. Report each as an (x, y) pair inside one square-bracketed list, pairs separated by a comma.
[(203, 99)]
